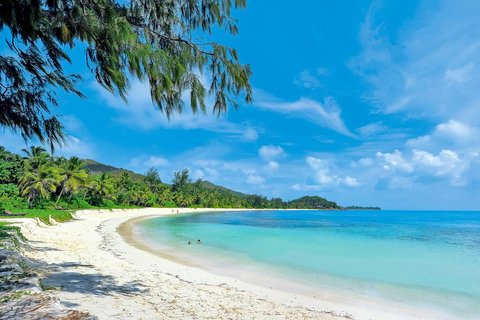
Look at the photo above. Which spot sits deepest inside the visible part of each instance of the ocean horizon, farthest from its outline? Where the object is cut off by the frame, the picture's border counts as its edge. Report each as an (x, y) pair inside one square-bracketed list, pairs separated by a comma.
[(421, 259)]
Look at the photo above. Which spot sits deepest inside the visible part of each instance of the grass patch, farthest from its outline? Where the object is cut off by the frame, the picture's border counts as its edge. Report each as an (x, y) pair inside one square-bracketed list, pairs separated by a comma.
[(14, 296), (57, 215), (43, 214), (6, 230), (44, 287)]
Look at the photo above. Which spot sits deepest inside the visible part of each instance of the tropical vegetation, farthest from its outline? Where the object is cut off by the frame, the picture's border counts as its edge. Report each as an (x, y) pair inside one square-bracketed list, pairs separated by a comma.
[(37, 180)]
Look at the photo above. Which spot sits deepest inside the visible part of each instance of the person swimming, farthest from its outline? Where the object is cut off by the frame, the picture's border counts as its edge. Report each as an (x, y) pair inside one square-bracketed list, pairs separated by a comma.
[(189, 242), (198, 241)]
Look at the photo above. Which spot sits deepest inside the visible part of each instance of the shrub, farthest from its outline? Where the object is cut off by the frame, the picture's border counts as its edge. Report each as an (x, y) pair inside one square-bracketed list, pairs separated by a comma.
[(10, 197), (109, 204), (78, 203), (169, 204)]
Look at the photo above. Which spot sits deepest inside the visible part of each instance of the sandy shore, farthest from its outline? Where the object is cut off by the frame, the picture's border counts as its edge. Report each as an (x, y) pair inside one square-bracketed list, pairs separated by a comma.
[(100, 272)]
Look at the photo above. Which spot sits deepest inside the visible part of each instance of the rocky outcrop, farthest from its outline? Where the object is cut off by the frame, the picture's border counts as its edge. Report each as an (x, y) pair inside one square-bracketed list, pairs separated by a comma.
[(22, 295)]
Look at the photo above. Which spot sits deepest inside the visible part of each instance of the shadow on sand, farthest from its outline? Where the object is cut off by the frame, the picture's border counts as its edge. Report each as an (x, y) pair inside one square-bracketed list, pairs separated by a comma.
[(82, 278)]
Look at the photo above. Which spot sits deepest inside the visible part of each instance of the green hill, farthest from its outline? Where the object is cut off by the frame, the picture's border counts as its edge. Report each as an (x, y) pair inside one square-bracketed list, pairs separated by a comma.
[(97, 167), (313, 202), (209, 185)]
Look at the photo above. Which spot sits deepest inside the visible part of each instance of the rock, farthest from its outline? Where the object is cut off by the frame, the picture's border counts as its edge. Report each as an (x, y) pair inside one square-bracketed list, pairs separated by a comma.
[(21, 295)]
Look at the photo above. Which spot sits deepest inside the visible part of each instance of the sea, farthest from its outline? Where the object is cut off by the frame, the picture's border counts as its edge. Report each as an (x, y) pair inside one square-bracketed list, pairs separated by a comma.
[(424, 259)]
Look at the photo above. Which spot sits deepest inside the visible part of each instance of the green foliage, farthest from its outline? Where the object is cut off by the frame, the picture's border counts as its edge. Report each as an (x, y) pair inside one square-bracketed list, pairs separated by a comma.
[(165, 43), (180, 180), (14, 295), (46, 183), (72, 174), (109, 204), (10, 197), (39, 178), (10, 167), (45, 214), (6, 230), (314, 202)]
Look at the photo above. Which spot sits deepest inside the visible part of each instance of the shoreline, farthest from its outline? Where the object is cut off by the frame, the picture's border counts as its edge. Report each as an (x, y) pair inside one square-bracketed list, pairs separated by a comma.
[(101, 271), (273, 284)]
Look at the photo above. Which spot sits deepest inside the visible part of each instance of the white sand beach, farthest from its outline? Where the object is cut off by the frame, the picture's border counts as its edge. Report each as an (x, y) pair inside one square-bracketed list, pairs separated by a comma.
[(99, 272)]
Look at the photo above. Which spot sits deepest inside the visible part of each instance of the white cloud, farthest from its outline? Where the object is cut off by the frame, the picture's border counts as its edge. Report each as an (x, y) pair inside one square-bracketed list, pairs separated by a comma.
[(372, 129), (255, 179), (455, 130), (156, 161), (459, 75), (250, 134), (76, 147), (306, 187), (269, 152), (394, 161), (272, 166), (448, 134), (323, 176), (422, 166), (198, 174), (446, 163), (321, 171), (351, 182), (365, 162), (144, 162), (428, 69), (326, 114), (307, 80)]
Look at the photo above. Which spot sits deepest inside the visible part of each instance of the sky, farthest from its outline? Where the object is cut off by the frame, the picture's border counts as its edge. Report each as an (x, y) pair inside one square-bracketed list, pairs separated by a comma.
[(373, 103)]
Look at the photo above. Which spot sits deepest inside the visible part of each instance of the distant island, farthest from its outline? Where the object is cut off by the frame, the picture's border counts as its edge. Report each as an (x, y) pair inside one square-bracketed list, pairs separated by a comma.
[(38, 180), (362, 208)]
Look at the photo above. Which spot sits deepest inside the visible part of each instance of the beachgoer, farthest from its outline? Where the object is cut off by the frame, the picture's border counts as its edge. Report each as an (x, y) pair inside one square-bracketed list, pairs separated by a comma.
[(189, 242), (198, 241)]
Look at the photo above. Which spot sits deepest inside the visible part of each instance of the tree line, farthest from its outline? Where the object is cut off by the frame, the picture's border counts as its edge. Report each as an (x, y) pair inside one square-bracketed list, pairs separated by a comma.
[(39, 180)]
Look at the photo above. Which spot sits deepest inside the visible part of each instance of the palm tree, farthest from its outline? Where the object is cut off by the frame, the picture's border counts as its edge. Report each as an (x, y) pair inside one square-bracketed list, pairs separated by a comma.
[(38, 183), (3, 153), (104, 186), (138, 194), (125, 181), (73, 176), (36, 156)]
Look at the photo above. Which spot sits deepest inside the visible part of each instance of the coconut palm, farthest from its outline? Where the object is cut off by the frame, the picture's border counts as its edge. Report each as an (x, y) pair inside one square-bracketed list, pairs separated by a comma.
[(104, 186), (39, 183), (36, 156), (124, 181), (73, 176)]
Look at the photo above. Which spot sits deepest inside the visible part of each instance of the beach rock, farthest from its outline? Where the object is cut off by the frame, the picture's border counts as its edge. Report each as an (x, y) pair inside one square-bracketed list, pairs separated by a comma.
[(39, 306), (21, 293), (10, 269)]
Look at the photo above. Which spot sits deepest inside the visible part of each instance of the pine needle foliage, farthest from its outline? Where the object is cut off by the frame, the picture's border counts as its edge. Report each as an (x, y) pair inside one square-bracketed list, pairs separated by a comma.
[(157, 41)]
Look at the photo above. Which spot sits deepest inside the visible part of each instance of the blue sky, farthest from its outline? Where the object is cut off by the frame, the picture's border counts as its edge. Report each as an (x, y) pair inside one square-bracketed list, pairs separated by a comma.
[(362, 102)]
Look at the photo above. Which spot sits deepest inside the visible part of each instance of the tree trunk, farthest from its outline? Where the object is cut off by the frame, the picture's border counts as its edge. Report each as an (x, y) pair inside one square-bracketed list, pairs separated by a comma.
[(60, 195)]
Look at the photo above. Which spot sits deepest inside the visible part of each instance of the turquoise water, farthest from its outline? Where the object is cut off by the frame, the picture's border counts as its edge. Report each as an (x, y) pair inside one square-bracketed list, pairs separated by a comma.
[(415, 257)]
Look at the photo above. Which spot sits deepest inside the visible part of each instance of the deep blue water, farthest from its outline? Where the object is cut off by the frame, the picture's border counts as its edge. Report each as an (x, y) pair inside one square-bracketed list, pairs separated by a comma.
[(418, 257)]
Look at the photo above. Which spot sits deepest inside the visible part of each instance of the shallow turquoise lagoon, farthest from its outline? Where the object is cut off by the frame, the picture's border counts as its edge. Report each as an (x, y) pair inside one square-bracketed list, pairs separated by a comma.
[(426, 258)]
